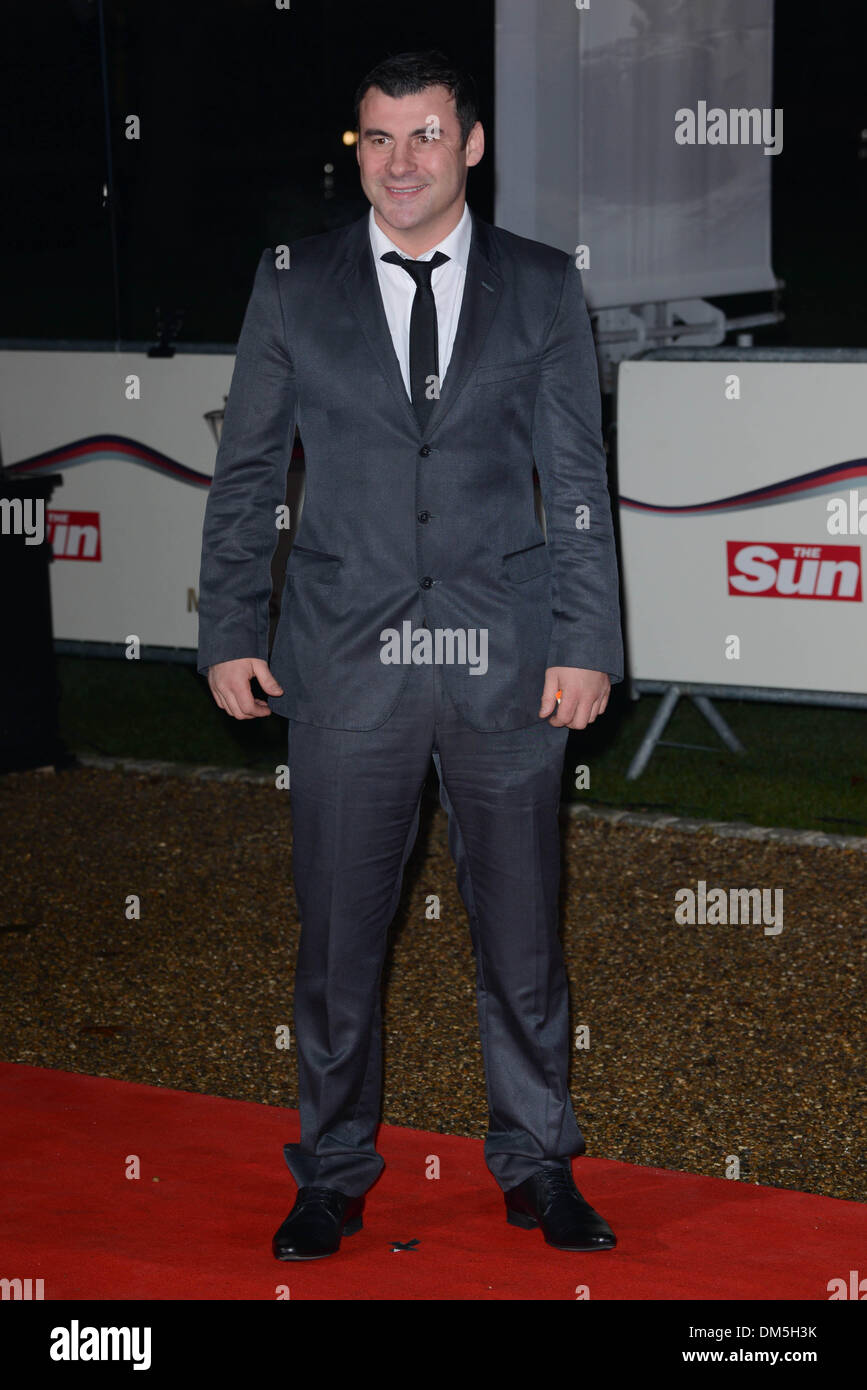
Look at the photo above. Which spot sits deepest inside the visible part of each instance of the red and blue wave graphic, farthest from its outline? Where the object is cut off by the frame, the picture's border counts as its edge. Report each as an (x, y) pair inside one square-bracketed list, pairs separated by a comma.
[(118, 447), (829, 479), (121, 449)]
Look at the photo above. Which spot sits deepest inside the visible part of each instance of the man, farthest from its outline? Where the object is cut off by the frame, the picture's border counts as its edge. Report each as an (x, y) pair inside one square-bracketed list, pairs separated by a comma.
[(429, 359)]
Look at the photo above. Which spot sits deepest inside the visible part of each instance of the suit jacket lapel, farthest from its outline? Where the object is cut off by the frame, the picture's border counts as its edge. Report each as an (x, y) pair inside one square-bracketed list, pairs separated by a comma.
[(483, 286), (361, 287)]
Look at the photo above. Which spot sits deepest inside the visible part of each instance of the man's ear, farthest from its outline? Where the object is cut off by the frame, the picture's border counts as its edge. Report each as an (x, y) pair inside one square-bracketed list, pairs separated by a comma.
[(475, 144)]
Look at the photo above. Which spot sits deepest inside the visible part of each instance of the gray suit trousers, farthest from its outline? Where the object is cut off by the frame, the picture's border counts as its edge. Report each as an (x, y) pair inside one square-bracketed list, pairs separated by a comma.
[(356, 798)]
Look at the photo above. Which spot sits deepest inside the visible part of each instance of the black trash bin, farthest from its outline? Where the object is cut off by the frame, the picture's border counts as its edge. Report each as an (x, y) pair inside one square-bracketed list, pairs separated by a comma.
[(29, 735)]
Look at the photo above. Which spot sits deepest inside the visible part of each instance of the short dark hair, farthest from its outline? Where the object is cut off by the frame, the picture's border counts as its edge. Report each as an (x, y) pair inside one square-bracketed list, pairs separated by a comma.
[(404, 74)]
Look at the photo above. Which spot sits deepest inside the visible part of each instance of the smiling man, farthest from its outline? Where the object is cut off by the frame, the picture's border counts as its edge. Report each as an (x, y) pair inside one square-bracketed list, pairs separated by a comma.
[(415, 178), (429, 360)]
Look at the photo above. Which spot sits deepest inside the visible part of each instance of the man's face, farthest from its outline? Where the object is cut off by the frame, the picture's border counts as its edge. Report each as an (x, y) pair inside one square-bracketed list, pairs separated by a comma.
[(412, 166)]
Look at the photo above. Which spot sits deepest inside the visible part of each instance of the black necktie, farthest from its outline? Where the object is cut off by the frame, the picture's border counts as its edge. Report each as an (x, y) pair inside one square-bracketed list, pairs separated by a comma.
[(423, 339)]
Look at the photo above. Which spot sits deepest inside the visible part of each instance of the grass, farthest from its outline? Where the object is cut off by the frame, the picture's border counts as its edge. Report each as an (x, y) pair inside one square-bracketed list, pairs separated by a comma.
[(804, 767)]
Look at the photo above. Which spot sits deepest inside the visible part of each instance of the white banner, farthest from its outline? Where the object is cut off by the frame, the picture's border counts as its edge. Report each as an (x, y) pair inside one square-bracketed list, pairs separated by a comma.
[(126, 525), (587, 142), (743, 513)]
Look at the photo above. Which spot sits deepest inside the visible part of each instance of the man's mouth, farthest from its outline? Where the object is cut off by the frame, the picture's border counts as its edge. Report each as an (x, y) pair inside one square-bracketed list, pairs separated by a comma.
[(408, 192)]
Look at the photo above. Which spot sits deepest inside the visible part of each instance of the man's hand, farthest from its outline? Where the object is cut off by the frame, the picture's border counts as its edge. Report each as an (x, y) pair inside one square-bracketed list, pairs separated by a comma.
[(230, 686), (583, 696)]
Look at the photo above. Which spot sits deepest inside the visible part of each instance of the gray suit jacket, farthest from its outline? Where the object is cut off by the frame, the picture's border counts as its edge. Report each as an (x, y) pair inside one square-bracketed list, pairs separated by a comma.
[(402, 527)]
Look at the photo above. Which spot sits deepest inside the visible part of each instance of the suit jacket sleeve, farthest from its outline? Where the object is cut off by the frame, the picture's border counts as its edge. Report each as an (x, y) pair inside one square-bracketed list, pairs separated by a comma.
[(570, 460), (249, 484)]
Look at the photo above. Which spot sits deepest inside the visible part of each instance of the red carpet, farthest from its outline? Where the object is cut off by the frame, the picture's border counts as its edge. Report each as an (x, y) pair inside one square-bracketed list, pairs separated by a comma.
[(203, 1230)]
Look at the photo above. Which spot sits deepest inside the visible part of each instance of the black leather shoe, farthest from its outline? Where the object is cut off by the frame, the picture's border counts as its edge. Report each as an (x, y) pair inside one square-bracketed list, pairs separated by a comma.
[(551, 1200), (314, 1226)]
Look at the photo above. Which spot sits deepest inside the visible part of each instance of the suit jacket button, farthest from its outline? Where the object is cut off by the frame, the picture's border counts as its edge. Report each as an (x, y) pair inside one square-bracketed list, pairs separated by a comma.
[(424, 517), (427, 582), (424, 450)]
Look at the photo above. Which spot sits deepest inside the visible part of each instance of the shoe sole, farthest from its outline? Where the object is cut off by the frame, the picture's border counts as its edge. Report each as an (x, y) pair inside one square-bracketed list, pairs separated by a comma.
[(349, 1229), (529, 1223)]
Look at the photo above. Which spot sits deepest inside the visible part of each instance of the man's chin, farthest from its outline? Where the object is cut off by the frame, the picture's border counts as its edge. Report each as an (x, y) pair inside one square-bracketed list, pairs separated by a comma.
[(408, 214)]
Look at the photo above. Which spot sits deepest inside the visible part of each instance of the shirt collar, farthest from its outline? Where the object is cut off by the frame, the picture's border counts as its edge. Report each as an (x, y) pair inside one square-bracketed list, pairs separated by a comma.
[(456, 245)]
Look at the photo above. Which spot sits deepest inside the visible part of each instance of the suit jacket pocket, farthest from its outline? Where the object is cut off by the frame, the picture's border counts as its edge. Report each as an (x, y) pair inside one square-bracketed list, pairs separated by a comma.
[(316, 565), (528, 564), (504, 371)]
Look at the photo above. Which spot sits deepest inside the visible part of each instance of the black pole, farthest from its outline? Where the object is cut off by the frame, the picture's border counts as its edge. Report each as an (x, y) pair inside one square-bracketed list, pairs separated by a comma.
[(109, 183)]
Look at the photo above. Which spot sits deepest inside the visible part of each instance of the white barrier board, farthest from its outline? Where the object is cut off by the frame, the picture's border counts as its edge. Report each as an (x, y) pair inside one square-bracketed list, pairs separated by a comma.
[(736, 570), (126, 525)]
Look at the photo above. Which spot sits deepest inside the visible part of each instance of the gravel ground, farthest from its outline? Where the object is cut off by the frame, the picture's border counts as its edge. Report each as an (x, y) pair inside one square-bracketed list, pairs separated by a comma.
[(705, 1041)]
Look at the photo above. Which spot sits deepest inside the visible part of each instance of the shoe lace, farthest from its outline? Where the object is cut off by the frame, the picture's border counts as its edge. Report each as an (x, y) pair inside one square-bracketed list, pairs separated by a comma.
[(327, 1197), (555, 1181)]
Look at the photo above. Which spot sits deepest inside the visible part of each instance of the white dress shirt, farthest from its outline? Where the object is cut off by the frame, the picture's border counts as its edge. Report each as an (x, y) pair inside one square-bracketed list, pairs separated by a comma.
[(447, 282)]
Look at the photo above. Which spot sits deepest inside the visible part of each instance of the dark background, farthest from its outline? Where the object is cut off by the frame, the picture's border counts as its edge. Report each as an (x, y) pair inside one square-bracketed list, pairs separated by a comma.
[(241, 107)]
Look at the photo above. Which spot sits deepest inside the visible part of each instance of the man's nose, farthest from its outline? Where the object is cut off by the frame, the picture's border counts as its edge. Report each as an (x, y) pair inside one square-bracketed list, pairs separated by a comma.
[(402, 160)]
